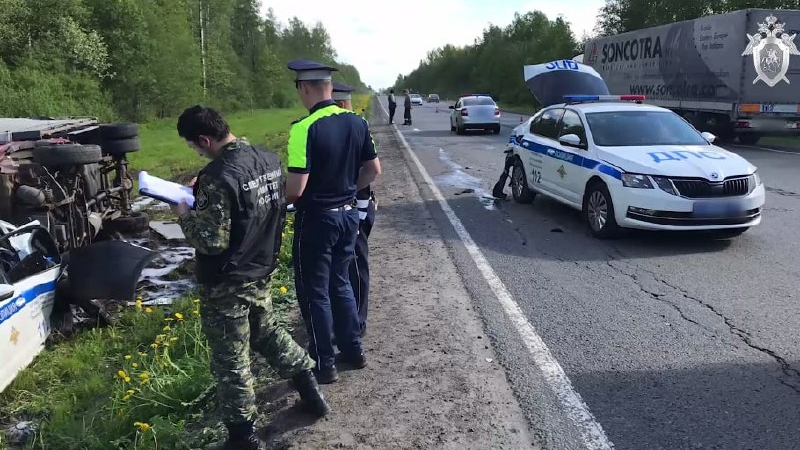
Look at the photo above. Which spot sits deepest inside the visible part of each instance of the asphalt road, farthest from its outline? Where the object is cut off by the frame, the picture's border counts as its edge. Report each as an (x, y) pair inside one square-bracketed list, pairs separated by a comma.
[(672, 342)]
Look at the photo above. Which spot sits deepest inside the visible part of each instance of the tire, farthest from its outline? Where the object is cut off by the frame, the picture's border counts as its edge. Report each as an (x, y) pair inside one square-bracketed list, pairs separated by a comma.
[(137, 222), (598, 211), (67, 155), (496, 129), (749, 139), (728, 233), (121, 146), (116, 131), (519, 184)]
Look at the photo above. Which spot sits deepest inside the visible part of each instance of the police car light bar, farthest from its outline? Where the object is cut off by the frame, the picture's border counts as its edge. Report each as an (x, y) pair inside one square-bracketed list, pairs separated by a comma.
[(599, 98)]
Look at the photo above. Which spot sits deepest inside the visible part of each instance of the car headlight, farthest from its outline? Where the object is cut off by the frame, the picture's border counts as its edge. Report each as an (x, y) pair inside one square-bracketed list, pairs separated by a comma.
[(755, 179), (635, 180), (665, 185)]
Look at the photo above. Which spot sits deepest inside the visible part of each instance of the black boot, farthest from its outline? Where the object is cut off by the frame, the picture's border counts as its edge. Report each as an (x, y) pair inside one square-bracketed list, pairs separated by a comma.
[(497, 192), (242, 436), (309, 391)]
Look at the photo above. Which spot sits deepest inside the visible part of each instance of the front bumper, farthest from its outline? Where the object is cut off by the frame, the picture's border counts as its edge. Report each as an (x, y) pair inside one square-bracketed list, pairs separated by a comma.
[(654, 209)]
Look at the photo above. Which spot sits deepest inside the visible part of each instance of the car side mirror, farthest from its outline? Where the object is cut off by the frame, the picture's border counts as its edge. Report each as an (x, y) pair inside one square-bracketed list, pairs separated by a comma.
[(708, 136), (571, 140), (6, 292), (452, 107)]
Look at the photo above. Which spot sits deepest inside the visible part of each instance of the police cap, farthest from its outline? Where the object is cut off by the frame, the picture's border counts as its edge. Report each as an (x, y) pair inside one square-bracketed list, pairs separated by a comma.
[(341, 91), (310, 70)]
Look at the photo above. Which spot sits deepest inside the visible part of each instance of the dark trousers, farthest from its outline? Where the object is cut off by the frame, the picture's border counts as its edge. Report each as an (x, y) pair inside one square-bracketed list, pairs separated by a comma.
[(322, 251), (392, 108), (359, 269), (407, 116)]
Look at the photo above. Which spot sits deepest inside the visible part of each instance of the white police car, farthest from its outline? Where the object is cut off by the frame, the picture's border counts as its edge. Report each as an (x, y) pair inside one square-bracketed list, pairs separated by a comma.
[(625, 164)]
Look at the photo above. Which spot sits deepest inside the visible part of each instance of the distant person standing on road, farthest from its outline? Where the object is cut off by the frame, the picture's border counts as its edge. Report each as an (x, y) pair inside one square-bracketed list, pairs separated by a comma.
[(235, 227), (331, 156), (392, 106), (406, 108)]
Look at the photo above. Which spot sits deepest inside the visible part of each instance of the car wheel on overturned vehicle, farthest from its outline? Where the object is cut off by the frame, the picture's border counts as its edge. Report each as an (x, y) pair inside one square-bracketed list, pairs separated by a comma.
[(67, 154), (136, 222), (519, 184), (117, 139), (598, 211)]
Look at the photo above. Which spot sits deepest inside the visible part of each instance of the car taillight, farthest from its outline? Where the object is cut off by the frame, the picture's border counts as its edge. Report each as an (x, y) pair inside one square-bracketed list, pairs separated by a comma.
[(742, 124), (464, 112), (497, 111)]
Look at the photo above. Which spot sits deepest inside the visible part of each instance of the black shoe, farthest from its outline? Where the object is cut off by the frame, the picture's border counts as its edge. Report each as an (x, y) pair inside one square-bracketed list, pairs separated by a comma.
[(243, 437), (357, 362), (326, 376), (309, 391)]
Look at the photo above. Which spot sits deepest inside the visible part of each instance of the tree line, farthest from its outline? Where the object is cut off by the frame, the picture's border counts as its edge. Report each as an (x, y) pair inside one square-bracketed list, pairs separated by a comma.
[(493, 63), (143, 59)]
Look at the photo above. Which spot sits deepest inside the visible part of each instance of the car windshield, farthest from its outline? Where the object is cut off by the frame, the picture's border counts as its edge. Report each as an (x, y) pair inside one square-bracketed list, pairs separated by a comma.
[(414, 95), (473, 101), (639, 128)]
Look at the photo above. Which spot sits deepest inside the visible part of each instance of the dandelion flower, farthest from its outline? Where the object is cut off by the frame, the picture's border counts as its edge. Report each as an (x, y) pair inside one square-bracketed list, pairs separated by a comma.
[(196, 312), (127, 379), (142, 354), (196, 301), (168, 319), (142, 426), (154, 345), (126, 398), (284, 290), (139, 303), (135, 365), (130, 392), (122, 374), (173, 339), (179, 316), (148, 310), (167, 328), (128, 357), (144, 375)]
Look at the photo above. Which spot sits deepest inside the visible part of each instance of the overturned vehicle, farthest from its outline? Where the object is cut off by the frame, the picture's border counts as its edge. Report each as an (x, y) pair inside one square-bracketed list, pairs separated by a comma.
[(65, 208)]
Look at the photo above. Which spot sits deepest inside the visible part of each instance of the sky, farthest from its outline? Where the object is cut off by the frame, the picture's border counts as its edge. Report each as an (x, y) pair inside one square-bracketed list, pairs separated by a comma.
[(384, 38)]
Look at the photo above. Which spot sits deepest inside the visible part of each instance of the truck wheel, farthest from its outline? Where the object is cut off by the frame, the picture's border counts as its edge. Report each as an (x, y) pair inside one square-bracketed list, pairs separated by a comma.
[(137, 222), (749, 139), (121, 146), (519, 184), (115, 131), (598, 211), (67, 154)]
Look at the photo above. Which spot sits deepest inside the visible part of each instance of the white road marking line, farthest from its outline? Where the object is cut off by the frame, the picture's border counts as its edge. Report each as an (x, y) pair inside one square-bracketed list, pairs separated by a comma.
[(592, 434)]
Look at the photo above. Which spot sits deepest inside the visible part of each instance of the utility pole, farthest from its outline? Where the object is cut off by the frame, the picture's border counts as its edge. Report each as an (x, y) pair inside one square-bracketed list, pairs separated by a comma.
[(203, 48)]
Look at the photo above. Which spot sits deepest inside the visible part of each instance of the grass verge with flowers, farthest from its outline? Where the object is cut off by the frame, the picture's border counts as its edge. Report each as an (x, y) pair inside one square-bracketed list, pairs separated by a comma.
[(144, 383)]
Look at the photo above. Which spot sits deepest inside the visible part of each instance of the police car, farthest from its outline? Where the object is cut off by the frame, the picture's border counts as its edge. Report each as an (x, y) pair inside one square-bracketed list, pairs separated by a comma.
[(626, 164)]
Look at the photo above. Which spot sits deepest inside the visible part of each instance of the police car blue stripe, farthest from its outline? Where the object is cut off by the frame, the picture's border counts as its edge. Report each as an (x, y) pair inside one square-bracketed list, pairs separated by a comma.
[(18, 303), (568, 157)]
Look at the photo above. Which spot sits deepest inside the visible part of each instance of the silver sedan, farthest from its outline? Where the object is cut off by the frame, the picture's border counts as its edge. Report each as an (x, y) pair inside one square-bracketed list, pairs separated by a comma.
[(475, 112)]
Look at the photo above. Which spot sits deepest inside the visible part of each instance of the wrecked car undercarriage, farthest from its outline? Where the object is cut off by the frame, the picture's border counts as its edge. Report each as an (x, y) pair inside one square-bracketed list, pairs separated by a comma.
[(71, 177)]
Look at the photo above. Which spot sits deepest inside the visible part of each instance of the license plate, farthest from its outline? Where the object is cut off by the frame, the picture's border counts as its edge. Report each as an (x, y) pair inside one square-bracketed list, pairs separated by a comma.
[(718, 209)]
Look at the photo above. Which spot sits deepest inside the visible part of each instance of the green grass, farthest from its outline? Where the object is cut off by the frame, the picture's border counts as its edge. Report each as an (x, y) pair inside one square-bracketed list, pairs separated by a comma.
[(165, 154), (780, 141), (75, 391)]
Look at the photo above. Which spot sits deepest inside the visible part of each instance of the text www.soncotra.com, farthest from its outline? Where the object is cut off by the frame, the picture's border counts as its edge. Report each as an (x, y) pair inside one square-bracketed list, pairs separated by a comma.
[(680, 90)]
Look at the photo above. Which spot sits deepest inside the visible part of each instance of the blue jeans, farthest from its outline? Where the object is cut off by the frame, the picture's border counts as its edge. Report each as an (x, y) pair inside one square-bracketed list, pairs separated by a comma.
[(322, 251)]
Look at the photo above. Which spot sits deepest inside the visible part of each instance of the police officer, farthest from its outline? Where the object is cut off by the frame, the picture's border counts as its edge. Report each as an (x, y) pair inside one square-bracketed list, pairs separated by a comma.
[(392, 106), (365, 198), (331, 157), (235, 227)]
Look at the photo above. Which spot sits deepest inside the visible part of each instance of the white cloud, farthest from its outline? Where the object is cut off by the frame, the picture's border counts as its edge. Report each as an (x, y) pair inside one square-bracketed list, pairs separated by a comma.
[(383, 38)]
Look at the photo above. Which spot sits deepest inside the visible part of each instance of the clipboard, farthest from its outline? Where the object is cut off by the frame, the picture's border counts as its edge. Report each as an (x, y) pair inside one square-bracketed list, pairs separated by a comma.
[(164, 191)]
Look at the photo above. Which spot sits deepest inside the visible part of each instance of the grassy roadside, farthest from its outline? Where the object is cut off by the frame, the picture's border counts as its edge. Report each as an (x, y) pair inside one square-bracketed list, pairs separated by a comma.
[(144, 383)]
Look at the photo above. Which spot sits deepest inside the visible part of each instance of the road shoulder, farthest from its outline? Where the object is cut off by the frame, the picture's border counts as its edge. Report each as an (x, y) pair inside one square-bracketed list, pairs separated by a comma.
[(433, 380)]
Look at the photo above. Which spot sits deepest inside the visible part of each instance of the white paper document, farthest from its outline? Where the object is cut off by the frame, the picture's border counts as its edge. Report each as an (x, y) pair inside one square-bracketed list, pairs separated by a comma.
[(166, 191)]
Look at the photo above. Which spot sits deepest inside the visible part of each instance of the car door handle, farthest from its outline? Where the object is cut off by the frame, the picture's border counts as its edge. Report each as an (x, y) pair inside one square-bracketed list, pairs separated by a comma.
[(550, 151)]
